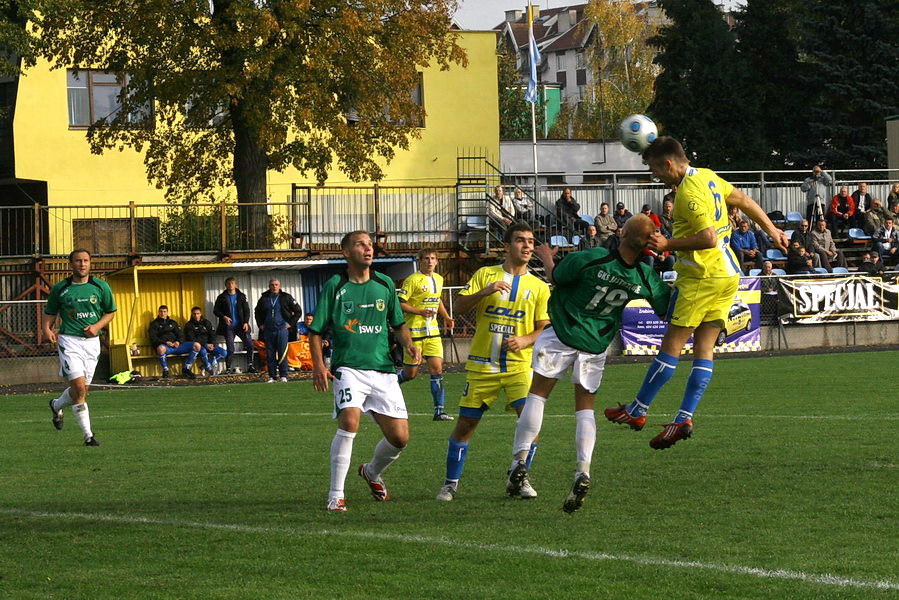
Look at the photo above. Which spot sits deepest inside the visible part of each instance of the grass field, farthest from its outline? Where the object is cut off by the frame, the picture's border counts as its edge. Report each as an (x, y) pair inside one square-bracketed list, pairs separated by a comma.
[(787, 490)]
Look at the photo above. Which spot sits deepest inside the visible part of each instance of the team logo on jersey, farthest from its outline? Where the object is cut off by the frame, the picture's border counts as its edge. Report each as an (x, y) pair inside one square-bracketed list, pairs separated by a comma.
[(94, 299), (380, 304), (347, 308), (693, 205), (350, 324), (424, 288)]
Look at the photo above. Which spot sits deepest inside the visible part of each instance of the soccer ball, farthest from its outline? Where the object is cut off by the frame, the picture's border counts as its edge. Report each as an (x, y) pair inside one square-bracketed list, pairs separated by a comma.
[(638, 132)]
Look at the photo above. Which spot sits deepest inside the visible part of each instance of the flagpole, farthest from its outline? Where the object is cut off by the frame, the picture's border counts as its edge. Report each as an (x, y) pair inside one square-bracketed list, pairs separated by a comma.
[(533, 94), (534, 145)]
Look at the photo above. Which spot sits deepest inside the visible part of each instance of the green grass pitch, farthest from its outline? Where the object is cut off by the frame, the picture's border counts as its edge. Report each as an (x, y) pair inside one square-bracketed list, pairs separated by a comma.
[(788, 489)]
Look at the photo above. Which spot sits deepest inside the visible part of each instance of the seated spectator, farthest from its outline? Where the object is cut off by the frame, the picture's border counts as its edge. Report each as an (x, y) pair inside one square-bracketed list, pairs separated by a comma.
[(804, 236), (894, 209), (165, 335), (862, 200), (199, 329), (822, 244), (524, 208), (233, 312), (606, 227), (893, 197), (872, 265), (875, 217), (886, 241), (734, 216), (842, 211), (667, 216), (746, 248), (769, 289), (500, 207), (798, 259), (567, 211), (380, 245), (621, 216), (590, 239), (647, 210)]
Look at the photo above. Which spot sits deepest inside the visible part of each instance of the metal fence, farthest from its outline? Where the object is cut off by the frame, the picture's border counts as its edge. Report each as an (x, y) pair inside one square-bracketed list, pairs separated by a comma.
[(21, 331)]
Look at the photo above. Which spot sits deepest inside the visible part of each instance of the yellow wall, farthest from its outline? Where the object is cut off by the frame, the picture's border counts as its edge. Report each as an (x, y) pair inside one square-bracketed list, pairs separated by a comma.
[(462, 107)]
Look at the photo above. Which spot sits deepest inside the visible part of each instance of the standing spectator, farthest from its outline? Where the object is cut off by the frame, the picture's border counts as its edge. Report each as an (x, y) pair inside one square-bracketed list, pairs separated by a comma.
[(524, 207), (842, 209), (894, 209), (500, 358), (233, 312), (605, 224), (84, 306), (872, 265), (744, 244), (875, 217), (199, 329), (421, 303), (621, 215), (886, 241), (799, 261), (862, 200), (567, 211), (893, 197), (804, 236), (822, 244), (500, 207), (817, 189), (276, 314), (667, 216), (358, 307), (590, 239), (166, 336)]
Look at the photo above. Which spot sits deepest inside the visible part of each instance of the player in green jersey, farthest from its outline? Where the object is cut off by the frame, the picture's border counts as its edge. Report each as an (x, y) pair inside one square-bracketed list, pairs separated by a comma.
[(592, 287), (358, 306), (84, 306)]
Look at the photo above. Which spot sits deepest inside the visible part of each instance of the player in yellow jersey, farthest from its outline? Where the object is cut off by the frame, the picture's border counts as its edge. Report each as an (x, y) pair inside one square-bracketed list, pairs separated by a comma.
[(421, 303), (708, 274), (511, 310)]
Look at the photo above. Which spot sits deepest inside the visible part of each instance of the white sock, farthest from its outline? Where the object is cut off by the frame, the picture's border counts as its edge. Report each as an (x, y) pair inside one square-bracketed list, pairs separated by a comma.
[(341, 453), (584, 439), (64, 400), (83, 416), (528, 427), (385, 454)]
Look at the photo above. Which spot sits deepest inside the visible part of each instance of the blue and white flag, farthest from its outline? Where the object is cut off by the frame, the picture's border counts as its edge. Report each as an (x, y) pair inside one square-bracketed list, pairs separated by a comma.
[(534, 57)]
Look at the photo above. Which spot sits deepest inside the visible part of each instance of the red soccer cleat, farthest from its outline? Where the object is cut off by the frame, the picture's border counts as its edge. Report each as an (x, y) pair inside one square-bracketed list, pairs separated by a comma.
[(620, 415), (673, 433), (378, 489)]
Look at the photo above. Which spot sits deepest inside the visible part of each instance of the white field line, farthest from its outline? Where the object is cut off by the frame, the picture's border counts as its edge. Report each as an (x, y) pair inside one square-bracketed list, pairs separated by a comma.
[(783, 574)]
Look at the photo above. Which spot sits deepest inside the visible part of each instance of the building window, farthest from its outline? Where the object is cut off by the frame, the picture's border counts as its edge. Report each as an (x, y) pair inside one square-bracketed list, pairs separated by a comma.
[(113, 236), (581, 59), (560, 61), (94, 95)]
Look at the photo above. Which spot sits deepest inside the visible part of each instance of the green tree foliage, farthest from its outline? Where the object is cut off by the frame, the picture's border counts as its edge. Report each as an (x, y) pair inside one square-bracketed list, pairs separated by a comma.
[(851, 67), (16, 42), (239, 87), (514, 110)]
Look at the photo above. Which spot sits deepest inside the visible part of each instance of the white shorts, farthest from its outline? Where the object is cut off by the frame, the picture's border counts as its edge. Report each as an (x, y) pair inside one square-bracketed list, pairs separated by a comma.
[(369, 391), (552, 359), (77, 356)]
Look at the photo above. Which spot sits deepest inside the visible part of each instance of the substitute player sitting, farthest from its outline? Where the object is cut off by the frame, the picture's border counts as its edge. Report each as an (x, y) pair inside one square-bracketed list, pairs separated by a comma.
[(421, 303), (358, 306), (511, 311), (708, 275), (592, 287)]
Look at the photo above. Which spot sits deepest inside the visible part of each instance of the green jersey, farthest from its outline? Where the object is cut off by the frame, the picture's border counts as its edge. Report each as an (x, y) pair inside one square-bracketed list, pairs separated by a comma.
[(592, 288), (358, 315), (79, 304)]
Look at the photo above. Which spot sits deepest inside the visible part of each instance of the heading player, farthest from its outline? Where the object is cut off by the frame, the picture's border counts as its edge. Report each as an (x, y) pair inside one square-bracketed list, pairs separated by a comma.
[(592, 287), (358, 306), (84, 306), (511, 311), (708, 275), (421, 302)]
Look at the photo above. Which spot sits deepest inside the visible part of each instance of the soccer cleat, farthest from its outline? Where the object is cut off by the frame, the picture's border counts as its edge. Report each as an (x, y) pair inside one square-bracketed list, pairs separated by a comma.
[(336, 505), (525, 491), (188, 373), (283, 380), (442, 416), (516, 477), (165, 373), (271, 380), (446, 493), (673, 433), (91, 441), (378, 489), (575, 498), (57, 416), (620, 415)]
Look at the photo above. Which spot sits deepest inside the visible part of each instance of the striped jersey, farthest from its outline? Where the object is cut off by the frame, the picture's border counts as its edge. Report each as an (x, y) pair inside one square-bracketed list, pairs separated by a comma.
[(501, 315), (700, 204), (422, 291)]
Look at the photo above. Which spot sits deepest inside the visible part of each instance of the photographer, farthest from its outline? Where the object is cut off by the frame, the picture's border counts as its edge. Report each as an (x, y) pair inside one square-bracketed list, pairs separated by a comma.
[(817, 190)]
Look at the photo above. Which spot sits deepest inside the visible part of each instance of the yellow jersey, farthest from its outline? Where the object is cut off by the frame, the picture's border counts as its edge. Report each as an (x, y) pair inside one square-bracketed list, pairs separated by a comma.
[(499, 316), (700, 204), (422, 291)]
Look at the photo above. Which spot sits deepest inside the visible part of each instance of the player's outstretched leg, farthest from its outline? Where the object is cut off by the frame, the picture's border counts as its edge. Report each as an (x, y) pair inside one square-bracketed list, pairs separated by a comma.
[(341, 453), (682, 426)]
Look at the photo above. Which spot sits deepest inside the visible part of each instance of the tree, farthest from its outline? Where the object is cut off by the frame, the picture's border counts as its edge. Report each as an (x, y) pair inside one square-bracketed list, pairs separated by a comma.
[(16, 42), (238, 87), (514, 110), (699, 95), (851, 58)]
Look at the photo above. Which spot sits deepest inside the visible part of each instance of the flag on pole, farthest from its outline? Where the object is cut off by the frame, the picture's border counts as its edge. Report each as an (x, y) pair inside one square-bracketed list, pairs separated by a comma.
[(534, 57)]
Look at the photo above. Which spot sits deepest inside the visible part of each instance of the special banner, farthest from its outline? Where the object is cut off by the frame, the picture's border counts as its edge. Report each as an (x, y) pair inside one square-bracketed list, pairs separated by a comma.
[(642, 330), (836, 300)]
